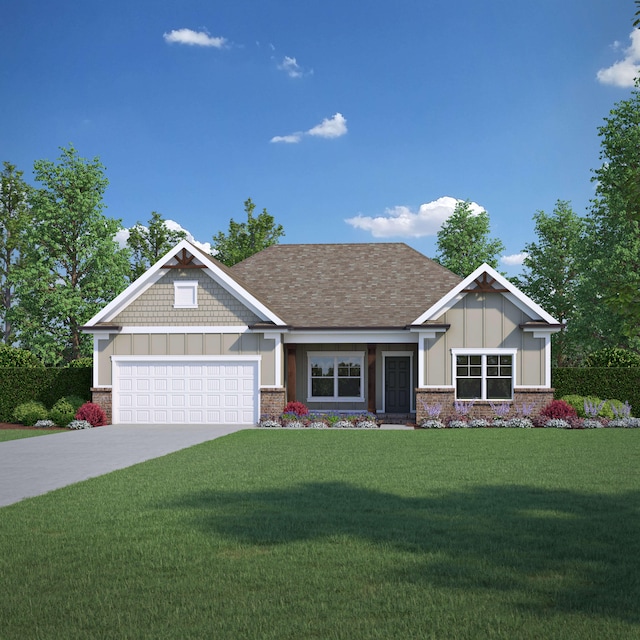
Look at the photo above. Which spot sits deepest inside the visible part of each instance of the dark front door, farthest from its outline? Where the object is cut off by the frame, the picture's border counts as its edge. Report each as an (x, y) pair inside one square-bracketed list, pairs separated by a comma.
[(397, 384)]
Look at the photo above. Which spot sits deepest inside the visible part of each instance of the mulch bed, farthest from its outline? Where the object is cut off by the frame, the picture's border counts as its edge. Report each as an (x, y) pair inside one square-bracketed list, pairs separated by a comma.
[(8, 425)]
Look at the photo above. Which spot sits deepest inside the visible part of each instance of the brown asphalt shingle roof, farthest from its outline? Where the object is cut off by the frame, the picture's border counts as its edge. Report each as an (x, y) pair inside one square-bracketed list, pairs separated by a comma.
[(372, 285)]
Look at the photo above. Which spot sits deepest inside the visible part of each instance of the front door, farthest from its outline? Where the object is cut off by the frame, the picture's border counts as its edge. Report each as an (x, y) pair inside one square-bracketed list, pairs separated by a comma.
[(397, 384)]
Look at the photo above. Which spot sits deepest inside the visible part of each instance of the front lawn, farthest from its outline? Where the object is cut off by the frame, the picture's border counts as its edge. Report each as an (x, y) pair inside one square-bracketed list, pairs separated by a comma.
[(508, 534), (16, 434)]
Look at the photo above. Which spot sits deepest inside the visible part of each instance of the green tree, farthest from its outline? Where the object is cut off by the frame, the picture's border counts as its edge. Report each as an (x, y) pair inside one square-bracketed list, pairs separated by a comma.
[(552, 270), (611, 252), (246, 238), (14, 218), (148, 244), (463, 241), (72, 264)]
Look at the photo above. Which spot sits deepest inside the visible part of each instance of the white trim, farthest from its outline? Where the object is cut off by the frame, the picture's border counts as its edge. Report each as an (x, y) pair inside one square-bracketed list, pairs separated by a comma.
[(480, 351), (336, 354), (278, 373), (356, 336), (96, 358), (541, 332), (182, 329), (523, 302), (190, 286), (398, 354), (154, 273)]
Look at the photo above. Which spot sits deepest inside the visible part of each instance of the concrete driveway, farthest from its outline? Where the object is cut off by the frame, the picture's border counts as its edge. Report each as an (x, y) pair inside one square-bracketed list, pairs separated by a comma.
[(33, 466)]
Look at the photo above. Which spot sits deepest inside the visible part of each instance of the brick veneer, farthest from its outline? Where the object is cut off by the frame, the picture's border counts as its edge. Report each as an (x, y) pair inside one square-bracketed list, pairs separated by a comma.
[(481, 409), (272, 401), (102, 397)]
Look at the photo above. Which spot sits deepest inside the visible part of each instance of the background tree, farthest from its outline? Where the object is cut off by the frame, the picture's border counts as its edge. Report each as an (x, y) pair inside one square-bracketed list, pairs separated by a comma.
[(14, 217), (72, 264), (610, 290), (552, 271), (148, 244), (246, 238), (463, 241)]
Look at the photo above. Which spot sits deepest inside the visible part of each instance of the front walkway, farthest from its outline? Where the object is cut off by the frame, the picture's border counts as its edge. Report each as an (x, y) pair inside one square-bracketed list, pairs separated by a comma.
[(33, 466)]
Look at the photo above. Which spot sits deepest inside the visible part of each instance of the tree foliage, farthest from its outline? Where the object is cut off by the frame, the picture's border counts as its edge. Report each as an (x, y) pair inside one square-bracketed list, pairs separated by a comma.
[(72, 265), (463, 241), (14, 218), (552, 270), (149, 243), (246, 238)]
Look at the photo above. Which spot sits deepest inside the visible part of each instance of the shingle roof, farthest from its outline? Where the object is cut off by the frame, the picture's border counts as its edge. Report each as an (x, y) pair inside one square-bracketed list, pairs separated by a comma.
[(372, 285)]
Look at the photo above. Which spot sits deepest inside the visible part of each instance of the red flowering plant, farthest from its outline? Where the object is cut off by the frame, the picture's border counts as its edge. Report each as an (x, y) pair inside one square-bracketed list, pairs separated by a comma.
[(296, 408), (92, 413)]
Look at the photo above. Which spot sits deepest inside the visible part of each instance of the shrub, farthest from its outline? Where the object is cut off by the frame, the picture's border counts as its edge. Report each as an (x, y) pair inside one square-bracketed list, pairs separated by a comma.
[(613, 357), (63, 412), (297, 408), (28, 413), (92, 413), (576, 401), (75, 401), (558, 410), (80, 363), (16, 357)]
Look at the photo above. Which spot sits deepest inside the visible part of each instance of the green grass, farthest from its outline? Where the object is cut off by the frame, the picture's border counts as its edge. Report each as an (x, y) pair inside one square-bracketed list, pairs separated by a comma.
[(16, 434), (508, 534)]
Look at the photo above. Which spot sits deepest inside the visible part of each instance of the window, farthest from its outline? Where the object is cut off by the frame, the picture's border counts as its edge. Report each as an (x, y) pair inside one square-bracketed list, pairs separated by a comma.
[(484, 376), (185, 294), (336, 377)]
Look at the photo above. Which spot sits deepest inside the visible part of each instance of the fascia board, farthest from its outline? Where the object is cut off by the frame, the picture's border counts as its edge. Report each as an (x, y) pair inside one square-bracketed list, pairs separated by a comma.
[(154, 273), (522, 301)]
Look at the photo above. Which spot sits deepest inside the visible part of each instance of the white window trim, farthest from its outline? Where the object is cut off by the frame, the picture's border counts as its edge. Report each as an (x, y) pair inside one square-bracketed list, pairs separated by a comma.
[(484, 352), (336, 354), (191, 285)]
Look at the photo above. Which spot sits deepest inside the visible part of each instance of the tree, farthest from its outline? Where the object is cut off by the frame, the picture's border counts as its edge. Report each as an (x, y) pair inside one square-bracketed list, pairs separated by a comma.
[(611, 260), (246, 238), (14, 216), (72, 264), (552, 269), (148, 244), (463, 241)]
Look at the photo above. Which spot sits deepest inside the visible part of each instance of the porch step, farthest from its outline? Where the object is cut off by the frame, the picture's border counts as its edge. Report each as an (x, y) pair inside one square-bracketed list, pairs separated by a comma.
[(397, 418)]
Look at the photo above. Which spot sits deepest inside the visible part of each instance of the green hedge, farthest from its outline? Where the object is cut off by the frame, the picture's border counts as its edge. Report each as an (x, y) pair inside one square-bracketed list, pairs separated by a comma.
[(607, 383), (18, 385)]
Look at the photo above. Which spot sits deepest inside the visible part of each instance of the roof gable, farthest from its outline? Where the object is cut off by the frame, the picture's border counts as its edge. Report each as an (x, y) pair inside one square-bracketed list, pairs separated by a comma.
[(184, 255), (486, 279)]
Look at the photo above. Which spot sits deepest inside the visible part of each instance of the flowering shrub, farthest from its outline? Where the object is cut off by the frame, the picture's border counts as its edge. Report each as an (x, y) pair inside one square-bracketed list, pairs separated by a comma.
[(592, 423), (79, 424), (620, 410), (297, 408), (44, 424), (317, 424), (364, 421), (525, 409), (456, 423), (462, 408), (478, 423), (268, 422), (92, 413), (293, 424), (432, 410), (557, 423), (558, 409), (519, 423), (432, 424), (592, 407), (501, 410)]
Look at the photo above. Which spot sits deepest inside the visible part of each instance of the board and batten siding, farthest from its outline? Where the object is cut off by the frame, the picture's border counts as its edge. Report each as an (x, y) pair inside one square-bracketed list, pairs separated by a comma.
[(487, 321), (155, 307), (188, 344)]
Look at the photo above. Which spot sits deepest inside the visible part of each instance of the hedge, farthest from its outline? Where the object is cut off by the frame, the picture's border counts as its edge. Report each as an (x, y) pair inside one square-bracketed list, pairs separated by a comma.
[(48, 385), (606, 383)]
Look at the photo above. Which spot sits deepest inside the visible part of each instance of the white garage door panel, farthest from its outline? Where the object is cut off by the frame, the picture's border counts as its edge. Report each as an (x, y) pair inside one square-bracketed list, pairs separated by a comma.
[(185, 392)]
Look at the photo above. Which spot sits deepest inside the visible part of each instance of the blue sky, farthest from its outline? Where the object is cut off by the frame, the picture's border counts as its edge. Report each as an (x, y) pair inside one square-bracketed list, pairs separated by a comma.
[(349, 122)]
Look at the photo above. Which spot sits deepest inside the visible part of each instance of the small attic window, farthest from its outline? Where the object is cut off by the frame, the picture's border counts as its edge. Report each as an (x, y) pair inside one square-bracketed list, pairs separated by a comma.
[(185, 294)]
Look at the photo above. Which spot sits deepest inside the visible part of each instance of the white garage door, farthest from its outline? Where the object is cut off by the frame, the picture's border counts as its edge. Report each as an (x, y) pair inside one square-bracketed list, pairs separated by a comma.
[(185, 391)]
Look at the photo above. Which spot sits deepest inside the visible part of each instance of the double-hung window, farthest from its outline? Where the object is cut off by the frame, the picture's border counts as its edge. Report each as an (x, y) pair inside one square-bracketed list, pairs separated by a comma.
[(484, 375), (336, 377)]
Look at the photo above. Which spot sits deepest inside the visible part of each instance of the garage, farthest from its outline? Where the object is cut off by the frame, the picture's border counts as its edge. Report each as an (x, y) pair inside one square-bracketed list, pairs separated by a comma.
[(177, 390)]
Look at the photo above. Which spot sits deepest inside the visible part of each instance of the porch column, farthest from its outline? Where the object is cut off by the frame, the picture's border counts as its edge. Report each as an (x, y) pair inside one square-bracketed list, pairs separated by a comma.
[(371, 378), (291, 373)]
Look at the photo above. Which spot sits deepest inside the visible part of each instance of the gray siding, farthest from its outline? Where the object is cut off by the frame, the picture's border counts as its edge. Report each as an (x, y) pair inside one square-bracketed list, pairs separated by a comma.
[(486, 321), (216, 307)]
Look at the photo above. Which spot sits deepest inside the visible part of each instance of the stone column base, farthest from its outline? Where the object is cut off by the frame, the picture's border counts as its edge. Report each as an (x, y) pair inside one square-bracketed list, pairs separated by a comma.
[(272, 401), (102, 397)]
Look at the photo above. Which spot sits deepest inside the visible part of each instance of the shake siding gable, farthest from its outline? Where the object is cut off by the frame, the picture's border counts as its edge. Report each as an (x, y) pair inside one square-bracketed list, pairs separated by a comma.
[(155, 307)]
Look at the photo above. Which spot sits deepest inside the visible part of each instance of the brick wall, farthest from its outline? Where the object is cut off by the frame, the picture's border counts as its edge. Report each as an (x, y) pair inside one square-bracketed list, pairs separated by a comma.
[(272, 401), (102, 397)]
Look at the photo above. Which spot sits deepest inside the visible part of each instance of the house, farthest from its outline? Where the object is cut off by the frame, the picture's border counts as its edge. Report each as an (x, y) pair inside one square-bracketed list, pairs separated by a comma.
[(356, 327)]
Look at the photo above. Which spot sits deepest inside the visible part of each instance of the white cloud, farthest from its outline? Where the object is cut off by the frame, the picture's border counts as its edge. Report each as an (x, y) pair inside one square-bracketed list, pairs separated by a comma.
[(123, 235), (514, 260), (291, 67), (401, 221), (194, 38), (333, 127), (330, 127), (624, 72)]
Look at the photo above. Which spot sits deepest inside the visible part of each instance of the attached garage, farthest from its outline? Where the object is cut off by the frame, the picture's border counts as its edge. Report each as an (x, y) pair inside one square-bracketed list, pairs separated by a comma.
[(185, 390)]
